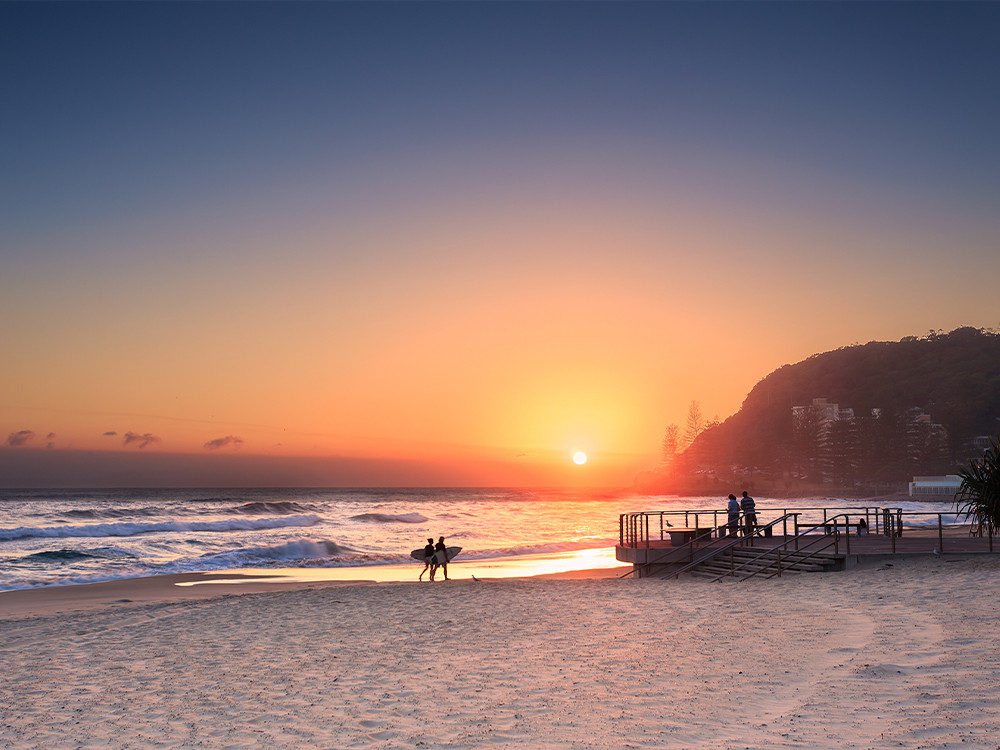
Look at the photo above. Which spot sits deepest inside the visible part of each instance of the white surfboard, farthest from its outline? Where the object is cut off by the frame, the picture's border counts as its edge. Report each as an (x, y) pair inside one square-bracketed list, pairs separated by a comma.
[(418, 554)]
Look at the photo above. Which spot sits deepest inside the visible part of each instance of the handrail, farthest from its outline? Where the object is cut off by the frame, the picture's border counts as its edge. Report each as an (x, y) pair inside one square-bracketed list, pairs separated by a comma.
[(835, 542), (884, 521), (634, 526), (737, 542), (688, 546)]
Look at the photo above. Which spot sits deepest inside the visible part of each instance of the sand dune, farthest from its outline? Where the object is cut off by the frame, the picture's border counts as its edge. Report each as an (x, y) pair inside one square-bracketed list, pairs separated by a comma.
[(877, 657)]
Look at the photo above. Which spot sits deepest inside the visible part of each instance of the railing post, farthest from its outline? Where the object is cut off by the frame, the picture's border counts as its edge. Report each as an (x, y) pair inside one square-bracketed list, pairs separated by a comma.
[(646, 519), (940, 536), (847, 531)]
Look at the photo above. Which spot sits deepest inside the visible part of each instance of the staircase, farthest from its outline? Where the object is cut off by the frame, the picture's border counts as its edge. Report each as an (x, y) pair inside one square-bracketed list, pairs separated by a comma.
[(740, 563)]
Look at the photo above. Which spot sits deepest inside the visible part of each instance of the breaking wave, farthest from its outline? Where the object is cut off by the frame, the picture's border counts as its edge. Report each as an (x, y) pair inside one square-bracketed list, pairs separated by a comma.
[(389, 518), (134, 529), (274, 508), (296, 552)]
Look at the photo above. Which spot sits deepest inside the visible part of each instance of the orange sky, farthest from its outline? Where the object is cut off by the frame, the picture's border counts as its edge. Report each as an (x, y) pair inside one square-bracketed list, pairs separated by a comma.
[(483, 289)]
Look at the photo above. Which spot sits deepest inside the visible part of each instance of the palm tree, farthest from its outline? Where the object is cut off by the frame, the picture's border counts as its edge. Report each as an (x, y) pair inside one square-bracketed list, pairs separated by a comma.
[(978, 497)]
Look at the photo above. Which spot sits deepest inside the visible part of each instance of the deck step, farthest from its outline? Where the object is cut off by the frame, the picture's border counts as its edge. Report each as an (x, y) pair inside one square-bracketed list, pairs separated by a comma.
[(752, 562)]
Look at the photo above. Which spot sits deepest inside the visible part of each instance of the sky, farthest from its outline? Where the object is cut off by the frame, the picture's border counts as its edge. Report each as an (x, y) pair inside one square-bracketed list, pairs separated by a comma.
[(455, 243)]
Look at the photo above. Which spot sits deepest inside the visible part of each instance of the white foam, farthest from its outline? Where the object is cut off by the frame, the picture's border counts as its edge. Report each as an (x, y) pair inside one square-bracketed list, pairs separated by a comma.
[(134, 529), (390, 518)]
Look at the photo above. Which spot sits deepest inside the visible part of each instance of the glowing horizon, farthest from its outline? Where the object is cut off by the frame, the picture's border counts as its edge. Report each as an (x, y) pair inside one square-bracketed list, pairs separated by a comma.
[(305, 255)]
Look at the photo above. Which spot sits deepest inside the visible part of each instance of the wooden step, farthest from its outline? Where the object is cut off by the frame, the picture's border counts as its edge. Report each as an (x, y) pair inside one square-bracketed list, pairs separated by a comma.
[(750, 561)]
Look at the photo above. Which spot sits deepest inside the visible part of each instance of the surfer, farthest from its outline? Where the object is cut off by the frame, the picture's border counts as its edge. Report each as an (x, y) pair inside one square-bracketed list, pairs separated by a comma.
[(428, 560), (440, 558)]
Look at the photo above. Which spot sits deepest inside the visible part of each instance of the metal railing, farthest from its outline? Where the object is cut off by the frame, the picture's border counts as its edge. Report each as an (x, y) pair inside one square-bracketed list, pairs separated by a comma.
[(716, 552), (830, 528), (648, 529), (641, 528)]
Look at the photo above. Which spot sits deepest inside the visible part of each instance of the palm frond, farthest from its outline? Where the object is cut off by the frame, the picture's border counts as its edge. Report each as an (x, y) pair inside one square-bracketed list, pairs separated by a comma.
[(978, 497)]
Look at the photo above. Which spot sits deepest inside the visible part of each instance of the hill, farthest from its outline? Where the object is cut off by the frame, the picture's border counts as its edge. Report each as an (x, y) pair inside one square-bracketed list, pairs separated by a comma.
[(864, 418)]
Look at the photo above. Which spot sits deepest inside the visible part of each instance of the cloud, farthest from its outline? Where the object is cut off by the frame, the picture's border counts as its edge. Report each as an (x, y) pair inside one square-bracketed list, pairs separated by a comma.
[(109, 433), (223, 442), (140, 440), (50, 440), (20, 438)]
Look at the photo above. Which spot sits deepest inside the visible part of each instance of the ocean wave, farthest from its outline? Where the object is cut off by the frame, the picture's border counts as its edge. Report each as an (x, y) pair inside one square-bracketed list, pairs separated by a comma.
[(390, 518), (134, 529), (112, 512), (59, 555), (274, 508), (296, 552)]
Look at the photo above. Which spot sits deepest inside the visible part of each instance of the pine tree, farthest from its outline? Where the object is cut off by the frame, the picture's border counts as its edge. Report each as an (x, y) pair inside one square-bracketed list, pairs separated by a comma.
[(671, 444), (695, 423)]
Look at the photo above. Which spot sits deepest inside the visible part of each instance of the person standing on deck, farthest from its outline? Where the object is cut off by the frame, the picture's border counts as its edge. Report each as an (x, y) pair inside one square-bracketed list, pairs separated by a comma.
[(440, 558), (734, 515), (747, 505)]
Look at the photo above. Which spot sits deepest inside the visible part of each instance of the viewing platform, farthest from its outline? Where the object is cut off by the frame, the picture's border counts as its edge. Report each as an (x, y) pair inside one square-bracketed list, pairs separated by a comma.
[(700, 542)]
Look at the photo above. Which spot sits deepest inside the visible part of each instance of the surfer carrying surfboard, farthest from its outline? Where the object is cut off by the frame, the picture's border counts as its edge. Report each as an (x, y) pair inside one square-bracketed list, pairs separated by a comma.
[(440, 558), (428, 560)]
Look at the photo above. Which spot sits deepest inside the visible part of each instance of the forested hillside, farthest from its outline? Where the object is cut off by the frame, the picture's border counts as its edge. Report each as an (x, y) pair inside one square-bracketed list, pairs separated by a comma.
[(891, 410)]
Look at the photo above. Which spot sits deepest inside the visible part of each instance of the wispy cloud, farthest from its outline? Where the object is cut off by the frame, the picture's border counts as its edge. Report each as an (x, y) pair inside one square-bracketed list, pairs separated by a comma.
[(140, 441), (222, 442), (50, 440), (109, 433), (21, 437)]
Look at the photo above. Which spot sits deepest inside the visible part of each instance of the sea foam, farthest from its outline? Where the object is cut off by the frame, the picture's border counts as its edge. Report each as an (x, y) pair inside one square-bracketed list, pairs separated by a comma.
[(390, 518), (134, 529)]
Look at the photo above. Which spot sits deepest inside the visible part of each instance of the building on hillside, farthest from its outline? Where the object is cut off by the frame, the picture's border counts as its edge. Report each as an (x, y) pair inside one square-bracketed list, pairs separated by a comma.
[(821, 410), (834, 444), (937, 488), (982, 443)]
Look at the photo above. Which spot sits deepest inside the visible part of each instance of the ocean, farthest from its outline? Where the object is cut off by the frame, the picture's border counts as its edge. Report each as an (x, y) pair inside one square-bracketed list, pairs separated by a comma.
[(59, 537)]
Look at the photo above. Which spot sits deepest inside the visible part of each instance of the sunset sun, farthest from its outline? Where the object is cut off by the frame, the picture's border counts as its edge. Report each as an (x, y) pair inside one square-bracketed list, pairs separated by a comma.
[(580, 458)]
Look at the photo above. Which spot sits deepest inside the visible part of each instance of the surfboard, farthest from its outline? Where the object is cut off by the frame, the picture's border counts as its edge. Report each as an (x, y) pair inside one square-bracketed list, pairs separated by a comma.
[(418, 554)]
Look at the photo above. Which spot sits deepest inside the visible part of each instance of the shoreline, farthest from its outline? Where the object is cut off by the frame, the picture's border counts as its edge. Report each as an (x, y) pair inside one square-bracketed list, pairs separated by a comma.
[(180, 587)]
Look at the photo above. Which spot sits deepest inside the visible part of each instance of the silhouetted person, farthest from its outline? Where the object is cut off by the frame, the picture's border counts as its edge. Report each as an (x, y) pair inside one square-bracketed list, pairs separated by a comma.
[(428, 560), (440, 558), (747, 505), (734, 515)]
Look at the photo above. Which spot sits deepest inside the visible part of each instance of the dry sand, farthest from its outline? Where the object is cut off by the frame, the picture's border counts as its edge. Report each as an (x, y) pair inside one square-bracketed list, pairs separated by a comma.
[(878, 657)]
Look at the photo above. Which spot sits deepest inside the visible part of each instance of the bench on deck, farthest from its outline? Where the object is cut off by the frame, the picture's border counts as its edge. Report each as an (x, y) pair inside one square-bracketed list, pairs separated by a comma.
[(681, 535)]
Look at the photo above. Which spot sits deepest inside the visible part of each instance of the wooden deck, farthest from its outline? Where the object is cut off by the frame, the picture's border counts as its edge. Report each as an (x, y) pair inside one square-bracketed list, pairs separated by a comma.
[(661, 556)]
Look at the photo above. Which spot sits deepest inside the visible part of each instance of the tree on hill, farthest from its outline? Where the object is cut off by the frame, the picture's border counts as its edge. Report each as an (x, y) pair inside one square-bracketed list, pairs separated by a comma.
[(671, 445), (695, 423)]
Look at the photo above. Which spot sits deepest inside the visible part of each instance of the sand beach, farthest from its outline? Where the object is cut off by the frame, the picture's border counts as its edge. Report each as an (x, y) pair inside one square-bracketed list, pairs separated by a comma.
[(881, 656)]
